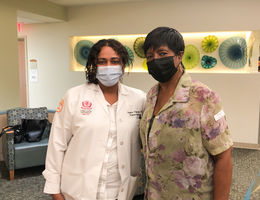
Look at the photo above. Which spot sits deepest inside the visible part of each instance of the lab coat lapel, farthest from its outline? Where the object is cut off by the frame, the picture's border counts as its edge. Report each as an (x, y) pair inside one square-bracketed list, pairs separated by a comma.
[(99, 96), (122, 97)]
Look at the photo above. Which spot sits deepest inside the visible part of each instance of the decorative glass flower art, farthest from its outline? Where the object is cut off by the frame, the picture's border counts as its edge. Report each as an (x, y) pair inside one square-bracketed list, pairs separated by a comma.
[(191, 57), (209, 43), (138, 47), (145, 64), (250, 56), (233, 52), (81, 51), (208, 62), (130, 54)]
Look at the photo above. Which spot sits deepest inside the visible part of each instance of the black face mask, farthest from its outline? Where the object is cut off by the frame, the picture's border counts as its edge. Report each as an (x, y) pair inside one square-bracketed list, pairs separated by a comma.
[(162, 69)]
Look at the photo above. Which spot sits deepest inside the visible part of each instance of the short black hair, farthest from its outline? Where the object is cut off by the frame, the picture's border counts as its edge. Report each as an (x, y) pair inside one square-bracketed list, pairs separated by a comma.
[(91, 66), (164, 36)]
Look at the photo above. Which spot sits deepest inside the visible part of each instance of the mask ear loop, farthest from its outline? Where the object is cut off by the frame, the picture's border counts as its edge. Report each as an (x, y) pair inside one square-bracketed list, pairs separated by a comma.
[(182, 66)]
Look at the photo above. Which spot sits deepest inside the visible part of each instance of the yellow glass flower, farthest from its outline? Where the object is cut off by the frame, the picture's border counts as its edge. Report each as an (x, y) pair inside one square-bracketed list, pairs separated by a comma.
[(210, 43), (145, 65), (138, 47)]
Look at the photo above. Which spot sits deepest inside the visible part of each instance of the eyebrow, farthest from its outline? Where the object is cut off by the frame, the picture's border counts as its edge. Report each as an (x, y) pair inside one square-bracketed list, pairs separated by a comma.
[(113, 58), (158, 49), (162, 49)]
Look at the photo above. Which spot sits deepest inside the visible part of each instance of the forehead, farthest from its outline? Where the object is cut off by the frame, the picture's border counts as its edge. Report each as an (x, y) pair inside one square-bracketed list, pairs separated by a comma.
[(107, 52), (158, 49)]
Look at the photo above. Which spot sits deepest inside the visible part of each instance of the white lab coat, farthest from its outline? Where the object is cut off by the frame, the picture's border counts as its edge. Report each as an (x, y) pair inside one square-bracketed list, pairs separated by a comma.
[(78, 141)]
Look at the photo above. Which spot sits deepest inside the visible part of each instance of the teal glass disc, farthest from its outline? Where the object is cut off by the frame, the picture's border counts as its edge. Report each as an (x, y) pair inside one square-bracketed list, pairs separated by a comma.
[(81, 51), (130, 54), (233, 52)]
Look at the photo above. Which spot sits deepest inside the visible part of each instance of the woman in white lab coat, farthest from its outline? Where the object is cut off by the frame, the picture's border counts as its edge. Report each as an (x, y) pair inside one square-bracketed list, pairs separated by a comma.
[(94, 148)]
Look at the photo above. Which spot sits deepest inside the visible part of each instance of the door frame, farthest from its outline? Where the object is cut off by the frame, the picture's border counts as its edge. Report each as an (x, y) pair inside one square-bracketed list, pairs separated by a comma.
[(23, 72)]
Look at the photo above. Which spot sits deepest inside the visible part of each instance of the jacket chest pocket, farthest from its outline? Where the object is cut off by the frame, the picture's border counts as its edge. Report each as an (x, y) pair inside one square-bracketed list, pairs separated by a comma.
[(128, 124)]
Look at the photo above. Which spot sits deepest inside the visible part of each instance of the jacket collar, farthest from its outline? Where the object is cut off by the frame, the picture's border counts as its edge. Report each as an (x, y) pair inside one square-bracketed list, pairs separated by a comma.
[(122, 90), (181, 93), (182, 90), (122, 93)]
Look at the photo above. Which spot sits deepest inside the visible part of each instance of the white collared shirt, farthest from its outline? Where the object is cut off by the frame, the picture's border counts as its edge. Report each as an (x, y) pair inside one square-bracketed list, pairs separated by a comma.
[(109, 180)]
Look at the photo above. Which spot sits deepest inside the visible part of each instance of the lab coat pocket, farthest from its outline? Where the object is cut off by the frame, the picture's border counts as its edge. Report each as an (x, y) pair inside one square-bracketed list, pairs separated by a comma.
[(71, 184)]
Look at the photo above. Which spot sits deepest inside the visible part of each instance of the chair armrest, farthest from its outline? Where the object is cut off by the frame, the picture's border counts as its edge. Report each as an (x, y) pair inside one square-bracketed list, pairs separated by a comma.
[(8, 149)]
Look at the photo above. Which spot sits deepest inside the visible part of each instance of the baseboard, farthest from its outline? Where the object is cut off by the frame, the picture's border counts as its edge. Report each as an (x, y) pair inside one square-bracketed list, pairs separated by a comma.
[(241, 145)]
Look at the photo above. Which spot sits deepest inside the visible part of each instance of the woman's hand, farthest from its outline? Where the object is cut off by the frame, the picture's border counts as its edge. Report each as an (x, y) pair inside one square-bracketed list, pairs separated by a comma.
[(57, 197)]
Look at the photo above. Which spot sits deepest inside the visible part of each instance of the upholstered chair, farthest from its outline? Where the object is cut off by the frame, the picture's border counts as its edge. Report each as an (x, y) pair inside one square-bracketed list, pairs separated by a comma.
[(24, 154)]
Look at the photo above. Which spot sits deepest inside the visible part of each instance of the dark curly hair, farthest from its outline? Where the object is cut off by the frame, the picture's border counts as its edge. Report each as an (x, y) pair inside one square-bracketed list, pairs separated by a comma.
[(91, 66)]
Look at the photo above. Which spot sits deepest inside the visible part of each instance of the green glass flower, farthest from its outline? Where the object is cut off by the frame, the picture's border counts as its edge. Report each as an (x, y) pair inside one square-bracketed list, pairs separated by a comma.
[(208, 62), (209, 43), (191, 57)]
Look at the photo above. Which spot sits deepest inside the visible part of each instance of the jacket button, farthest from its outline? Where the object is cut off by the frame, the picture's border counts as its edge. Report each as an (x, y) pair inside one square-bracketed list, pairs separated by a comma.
[(122, 190), (121, 143), (123, 166)]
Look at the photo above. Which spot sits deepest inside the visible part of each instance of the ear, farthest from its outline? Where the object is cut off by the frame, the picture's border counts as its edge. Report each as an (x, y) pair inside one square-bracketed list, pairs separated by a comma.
[(180, 55)]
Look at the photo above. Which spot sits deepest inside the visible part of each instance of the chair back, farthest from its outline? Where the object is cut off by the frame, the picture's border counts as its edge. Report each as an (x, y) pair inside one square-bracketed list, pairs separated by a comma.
[(15, 115)]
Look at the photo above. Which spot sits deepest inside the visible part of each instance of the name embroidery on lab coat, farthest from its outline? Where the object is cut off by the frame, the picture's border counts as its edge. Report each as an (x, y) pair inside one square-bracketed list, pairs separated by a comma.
[(86, 107), (136, 113)]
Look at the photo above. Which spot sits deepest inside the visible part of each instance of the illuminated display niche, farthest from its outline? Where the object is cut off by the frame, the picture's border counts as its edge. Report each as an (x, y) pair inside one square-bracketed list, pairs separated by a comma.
[(213, 52)]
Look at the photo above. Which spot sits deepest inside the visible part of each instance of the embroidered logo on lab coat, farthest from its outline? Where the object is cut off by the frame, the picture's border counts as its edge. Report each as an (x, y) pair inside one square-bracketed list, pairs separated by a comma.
[(60, 107), (86, 107)]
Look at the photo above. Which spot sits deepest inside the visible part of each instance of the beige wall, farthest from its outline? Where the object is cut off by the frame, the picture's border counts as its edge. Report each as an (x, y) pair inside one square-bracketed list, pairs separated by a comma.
[(9, 81), (184, 15)]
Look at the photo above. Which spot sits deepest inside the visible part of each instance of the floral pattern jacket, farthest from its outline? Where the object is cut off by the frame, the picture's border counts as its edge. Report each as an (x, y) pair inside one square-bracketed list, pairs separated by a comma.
[(189, 129)]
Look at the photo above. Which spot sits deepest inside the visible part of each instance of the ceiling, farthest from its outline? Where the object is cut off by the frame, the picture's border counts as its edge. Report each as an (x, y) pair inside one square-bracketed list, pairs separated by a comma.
[(87, 2)]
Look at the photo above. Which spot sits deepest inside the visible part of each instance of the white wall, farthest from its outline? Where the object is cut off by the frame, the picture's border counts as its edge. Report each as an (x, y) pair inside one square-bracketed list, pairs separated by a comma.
[(240, 95), (49, 43)]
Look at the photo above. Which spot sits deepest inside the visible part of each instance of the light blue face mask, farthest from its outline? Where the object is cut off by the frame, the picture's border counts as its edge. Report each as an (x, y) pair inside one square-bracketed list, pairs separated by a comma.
[(109, 75)]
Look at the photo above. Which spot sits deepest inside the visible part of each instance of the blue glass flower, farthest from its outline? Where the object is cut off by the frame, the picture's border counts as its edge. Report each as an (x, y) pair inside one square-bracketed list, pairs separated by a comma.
[(208, 62)]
